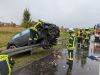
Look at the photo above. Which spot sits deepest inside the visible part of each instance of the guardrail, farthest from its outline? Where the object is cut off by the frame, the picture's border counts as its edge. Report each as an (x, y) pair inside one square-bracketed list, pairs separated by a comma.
[(19, 50), (15, 51)]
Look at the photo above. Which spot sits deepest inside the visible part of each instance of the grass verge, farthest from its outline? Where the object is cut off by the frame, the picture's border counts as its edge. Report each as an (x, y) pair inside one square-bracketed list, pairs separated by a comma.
[(6, 34), (25, 58)]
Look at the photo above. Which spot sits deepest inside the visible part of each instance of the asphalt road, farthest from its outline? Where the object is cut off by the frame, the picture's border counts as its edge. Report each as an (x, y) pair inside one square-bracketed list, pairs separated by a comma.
[(57, 63)]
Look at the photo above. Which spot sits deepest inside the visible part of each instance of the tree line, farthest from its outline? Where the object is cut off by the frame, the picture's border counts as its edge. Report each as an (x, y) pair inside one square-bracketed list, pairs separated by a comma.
[(3, 24)]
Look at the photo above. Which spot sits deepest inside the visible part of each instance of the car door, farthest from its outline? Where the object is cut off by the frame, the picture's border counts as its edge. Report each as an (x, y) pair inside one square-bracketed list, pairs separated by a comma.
[(24, 36)]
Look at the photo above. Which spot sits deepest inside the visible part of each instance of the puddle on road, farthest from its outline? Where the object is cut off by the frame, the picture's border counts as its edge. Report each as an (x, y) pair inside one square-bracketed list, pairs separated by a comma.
[(57, 64)]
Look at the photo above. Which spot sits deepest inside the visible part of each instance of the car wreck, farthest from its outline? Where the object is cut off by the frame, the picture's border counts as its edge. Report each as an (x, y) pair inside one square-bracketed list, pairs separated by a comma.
[(47, 34)]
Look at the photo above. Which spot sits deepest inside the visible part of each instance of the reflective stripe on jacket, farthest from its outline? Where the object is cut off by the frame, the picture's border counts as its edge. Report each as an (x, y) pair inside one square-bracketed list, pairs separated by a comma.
[(34, 27)]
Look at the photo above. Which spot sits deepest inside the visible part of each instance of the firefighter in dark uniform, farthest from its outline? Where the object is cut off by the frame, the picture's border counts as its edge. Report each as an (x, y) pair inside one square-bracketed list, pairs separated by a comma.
[(5, 64), (34, 32), (80, 38), (71, 44), (86, 36)]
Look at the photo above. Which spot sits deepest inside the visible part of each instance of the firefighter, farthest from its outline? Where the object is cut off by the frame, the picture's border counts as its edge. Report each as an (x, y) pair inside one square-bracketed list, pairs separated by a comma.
[(34, 32), (80, 38), (6, 64), (71, 44), (86, 36), (88, 32)]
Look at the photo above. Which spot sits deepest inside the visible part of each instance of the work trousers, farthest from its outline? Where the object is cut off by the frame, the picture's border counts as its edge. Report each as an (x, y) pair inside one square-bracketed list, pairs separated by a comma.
[(80, 40), (70, 54)]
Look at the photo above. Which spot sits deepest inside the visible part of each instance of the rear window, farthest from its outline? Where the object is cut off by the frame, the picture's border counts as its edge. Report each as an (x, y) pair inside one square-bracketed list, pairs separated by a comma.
[(22, 33)]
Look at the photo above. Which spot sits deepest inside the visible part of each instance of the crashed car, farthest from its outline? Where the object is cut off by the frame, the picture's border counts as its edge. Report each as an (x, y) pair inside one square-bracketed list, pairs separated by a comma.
[(19, 40), (47, 37)]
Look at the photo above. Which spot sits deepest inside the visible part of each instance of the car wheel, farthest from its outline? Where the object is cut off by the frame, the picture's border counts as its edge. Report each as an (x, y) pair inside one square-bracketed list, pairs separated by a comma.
[(12, 47), (45, 44)]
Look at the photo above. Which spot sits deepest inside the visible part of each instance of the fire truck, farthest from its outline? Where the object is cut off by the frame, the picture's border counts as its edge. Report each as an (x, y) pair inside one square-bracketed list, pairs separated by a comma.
[(97, 33)]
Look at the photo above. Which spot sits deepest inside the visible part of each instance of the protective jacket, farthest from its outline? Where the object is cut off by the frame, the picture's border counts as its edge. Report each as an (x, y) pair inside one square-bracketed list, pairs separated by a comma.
[(86, 35), (34, 31), (79, 34), (35, 26), (71, 43), (5, 64)]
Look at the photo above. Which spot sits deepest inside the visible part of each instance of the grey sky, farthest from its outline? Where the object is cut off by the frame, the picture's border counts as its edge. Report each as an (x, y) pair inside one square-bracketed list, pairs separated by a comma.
[(69, 13)]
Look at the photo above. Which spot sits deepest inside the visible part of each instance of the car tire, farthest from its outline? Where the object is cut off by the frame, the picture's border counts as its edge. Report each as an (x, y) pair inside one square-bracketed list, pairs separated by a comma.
[(45, 44), (12, 46)]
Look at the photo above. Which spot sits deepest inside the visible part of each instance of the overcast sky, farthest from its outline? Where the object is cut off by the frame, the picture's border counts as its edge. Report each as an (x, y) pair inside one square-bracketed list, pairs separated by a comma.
[(69, 13)]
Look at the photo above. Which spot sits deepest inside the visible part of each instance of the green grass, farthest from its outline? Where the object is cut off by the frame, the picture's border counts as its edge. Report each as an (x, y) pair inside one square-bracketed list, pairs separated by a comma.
[(6, 34), (25, 58), (64, 35), (4, 38)]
